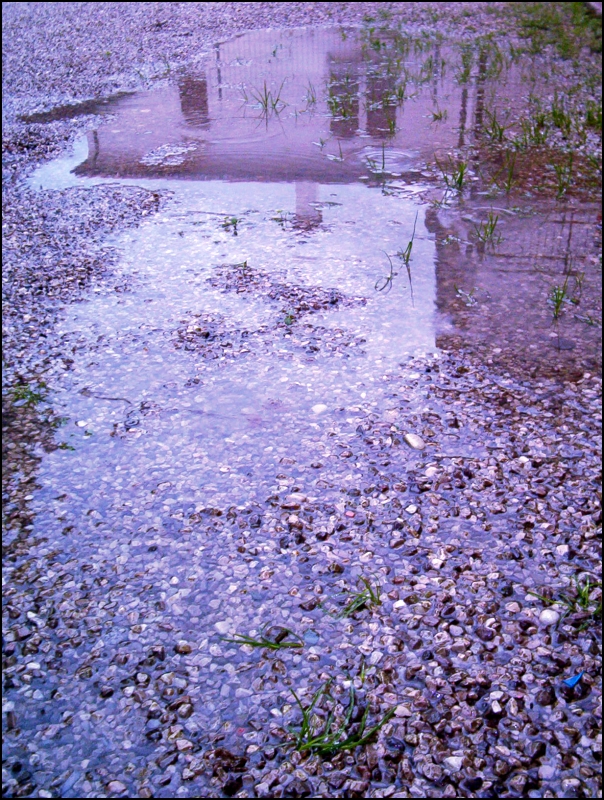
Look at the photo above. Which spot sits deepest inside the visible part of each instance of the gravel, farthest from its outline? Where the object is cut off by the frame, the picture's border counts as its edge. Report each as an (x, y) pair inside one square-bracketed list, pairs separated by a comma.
[(468, 497)]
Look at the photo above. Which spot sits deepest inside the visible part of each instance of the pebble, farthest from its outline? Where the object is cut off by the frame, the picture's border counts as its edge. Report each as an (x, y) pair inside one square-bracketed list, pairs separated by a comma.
[(546, 772), (117, 787), (549, 617), (414, 441), (319, 408), (223, 627)]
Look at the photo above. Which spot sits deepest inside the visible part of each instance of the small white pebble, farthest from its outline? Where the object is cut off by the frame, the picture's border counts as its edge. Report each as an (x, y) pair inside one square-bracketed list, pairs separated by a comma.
[(414, 441), (453, 763), (222, 627), (548, 616), (319, 408)]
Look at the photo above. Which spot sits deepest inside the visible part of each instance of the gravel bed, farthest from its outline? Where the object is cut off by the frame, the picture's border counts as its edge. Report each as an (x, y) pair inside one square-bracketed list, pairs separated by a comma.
[(467, 497)]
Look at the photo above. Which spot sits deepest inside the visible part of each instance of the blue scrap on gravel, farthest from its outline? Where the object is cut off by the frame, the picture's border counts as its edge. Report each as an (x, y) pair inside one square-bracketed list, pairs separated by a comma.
[(572, 682)]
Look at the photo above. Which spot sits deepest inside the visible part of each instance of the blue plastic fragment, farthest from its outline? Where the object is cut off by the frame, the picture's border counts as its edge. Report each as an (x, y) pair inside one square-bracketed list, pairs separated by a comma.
[(574, 680)]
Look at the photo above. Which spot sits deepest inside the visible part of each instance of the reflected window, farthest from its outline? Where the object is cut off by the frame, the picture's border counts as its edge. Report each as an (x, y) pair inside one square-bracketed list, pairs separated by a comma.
[(343, 100), (194, 101), (381, 113)]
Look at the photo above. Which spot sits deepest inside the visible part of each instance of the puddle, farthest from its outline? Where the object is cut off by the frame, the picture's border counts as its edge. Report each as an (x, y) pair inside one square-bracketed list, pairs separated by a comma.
[(305, 252), (301, 111)]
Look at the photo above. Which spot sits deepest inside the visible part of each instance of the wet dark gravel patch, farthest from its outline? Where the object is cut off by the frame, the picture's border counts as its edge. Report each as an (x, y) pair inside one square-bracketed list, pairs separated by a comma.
[(498, 504), (293, 301)]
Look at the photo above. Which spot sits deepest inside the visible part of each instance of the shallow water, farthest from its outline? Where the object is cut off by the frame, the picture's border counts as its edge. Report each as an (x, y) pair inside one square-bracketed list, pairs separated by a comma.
[(266, 319), (321, 191)]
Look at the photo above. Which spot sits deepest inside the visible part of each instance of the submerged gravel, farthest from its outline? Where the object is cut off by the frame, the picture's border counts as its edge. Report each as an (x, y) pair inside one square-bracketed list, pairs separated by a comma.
[(469, 496)]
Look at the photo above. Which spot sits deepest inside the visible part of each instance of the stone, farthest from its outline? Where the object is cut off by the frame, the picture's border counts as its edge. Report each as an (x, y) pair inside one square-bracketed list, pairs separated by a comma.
[(548, 616), (453, 763), (414, 441), (546, 772), (222, 627), (183, 744), (117, 787), (319, 408)]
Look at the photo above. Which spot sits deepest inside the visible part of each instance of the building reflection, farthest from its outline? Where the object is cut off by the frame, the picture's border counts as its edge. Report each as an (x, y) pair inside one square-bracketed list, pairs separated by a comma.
[(381, 114), (194, 101), (343, 100), (308, 213)]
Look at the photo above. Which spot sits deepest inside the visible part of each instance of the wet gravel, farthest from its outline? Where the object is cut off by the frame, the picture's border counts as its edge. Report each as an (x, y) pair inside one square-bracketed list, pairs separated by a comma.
[(117, 678)]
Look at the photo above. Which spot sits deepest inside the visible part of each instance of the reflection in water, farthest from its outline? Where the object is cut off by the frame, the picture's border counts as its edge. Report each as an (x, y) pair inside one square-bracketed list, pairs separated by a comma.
[(344, 99), (381, 113), (308, 215), (480, 91), (194, 101), (231, 360), (337, 112), (226, 124)]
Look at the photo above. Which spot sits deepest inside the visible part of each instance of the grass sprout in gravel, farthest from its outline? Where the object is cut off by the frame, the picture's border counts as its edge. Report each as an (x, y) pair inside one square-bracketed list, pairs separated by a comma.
[(282, 639), (584, 600), (369, 597), (337, 732)]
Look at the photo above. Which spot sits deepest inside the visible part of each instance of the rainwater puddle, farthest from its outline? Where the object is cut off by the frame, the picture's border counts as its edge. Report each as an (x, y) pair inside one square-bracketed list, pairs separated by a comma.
[(305, 251), (308, 248)]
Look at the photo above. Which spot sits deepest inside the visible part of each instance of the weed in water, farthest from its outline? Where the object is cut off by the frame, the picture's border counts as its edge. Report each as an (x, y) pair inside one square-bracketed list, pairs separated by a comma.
[(564, 174), (578, 278), (405, 256), (269, 103), (439, 115), (328, 738), (400, 92), (467, 297), (289, 319), (588, 320), (560, 117), (333, 157), (281, 218), (494, 129), (558, 296), (593, 114), (454, 175), (369, 597), (508, 171), (284, 638), (231, 223), (385, 284), (579, 602), (534, 131), (24, 395), (467, 61), (311, 96), (486, 231)]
